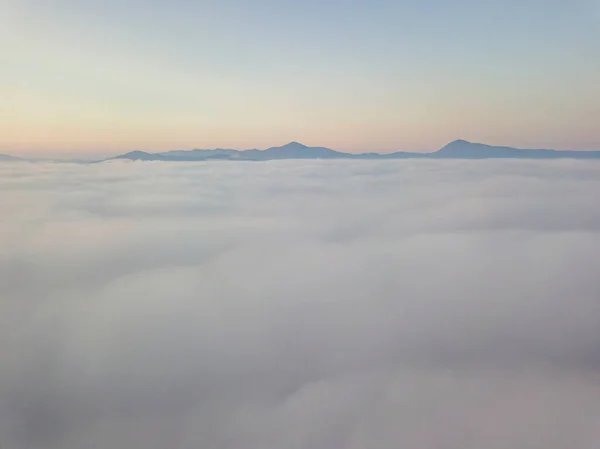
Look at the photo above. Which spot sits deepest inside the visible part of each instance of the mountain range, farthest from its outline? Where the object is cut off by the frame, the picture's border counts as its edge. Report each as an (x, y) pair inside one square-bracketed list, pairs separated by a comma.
[(459, 149)]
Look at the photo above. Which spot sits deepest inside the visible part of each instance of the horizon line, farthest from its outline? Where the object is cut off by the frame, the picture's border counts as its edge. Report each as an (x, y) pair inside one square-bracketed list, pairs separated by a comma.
[(100, 154)]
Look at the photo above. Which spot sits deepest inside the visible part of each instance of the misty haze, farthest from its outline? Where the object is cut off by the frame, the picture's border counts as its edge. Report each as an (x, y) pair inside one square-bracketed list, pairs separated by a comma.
[(303, 304)]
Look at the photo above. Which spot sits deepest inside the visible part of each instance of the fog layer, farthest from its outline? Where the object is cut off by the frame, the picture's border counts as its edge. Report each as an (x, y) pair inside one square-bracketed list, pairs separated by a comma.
[(300, 305)]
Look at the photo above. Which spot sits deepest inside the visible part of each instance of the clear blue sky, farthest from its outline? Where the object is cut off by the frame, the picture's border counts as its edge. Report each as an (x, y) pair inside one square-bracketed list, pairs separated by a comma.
[(105, 76)]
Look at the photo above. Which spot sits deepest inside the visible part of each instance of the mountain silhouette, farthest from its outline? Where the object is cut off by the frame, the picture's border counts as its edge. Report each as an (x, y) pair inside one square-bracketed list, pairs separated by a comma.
[(458, 149)]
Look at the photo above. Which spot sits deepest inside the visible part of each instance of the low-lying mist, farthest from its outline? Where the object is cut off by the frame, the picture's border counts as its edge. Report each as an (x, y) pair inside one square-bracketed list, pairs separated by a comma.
[(300, 305)]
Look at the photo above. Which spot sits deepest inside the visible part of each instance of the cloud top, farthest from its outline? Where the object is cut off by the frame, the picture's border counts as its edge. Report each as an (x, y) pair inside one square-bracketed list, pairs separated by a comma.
[(300, 304)]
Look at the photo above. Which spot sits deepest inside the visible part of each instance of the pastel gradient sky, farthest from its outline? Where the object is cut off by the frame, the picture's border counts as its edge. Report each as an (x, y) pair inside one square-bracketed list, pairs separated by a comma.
[(99, 77)]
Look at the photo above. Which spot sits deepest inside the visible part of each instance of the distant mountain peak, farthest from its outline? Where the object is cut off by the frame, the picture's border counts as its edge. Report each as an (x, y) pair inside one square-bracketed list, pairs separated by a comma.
[(294, 144), (459, 143), (461, 146), (137, 155)]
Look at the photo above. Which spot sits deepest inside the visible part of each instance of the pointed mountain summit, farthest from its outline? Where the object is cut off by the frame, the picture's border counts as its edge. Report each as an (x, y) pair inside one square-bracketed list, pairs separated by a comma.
[(292, 146), (296, 150), (295, 144)]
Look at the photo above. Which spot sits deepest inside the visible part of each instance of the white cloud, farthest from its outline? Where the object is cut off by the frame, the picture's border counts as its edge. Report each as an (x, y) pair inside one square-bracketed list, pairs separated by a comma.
[(300, 304)]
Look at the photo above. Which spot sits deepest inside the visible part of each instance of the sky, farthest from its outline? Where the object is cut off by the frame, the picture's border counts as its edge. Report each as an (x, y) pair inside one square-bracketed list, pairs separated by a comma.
[(300, 304), (101, 77)]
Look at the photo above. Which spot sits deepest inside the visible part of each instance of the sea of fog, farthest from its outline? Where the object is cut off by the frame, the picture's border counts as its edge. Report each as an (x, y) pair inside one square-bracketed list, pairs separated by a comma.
[(414, 304)]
